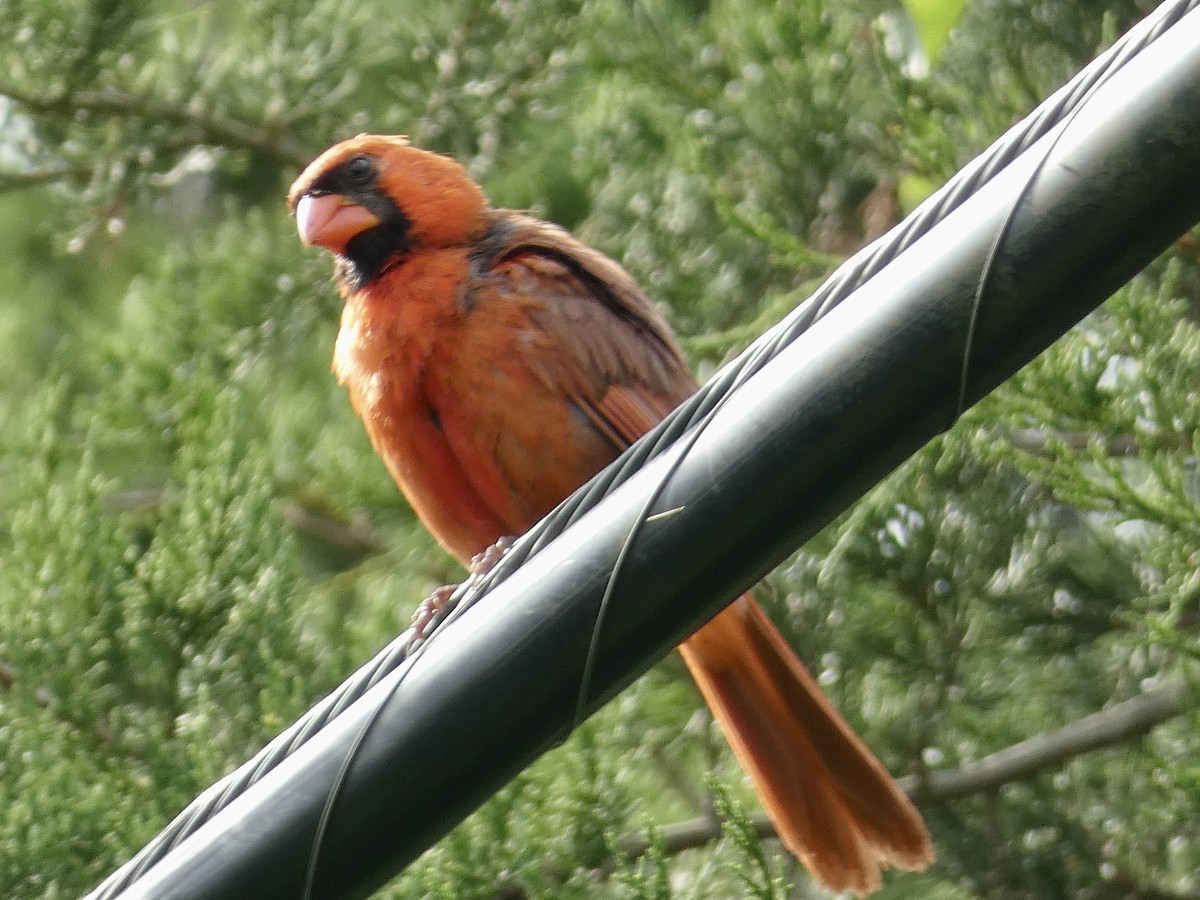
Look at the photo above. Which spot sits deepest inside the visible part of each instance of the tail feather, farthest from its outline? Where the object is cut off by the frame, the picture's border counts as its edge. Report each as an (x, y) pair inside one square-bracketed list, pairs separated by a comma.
[(832, 802)]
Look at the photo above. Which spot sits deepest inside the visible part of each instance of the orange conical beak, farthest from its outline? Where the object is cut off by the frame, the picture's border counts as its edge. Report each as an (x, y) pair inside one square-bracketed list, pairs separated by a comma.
[(331, 221)]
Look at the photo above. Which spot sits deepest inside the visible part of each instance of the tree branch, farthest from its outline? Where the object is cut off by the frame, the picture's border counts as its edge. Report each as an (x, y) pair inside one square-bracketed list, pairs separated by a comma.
[(355, 538), (439, 97), (1118, 723), (1040, 441), (15, 181), (213, 128)]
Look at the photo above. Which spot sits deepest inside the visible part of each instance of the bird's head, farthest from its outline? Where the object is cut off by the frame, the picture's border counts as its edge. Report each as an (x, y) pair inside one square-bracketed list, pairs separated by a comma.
[(374, 198)]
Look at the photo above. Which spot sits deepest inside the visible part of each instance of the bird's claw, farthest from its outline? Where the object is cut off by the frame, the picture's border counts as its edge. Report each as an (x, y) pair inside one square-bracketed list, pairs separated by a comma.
[(430, 613), (433, 610), (482, 563)]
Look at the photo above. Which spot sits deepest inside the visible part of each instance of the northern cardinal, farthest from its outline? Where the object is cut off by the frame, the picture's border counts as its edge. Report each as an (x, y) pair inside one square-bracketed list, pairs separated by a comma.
[(497, 364)]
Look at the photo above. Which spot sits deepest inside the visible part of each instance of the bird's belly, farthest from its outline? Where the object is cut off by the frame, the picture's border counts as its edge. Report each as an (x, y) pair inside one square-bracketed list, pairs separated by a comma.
[(416, 452)]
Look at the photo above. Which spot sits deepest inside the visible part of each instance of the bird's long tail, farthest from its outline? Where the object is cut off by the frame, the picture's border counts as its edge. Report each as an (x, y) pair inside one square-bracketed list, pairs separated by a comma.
[(832, 802)]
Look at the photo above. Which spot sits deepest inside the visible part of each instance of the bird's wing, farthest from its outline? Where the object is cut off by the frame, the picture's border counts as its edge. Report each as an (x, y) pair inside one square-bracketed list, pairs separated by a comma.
[(607, 348), (560, 363)]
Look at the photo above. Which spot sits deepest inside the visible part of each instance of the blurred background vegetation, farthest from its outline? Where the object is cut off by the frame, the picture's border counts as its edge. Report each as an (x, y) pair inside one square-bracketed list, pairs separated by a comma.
[(198, 542)]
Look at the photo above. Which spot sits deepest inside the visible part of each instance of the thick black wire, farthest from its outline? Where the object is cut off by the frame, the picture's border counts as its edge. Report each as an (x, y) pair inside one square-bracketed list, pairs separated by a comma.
[(692, 412)]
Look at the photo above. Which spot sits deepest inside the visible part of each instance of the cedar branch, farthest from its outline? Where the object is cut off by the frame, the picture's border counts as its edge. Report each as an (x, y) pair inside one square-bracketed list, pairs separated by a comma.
[(1118, 723), (212, 127)]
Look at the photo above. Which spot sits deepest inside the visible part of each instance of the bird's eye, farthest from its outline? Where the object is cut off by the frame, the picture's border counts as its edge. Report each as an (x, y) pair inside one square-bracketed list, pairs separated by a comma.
[(361, 170)]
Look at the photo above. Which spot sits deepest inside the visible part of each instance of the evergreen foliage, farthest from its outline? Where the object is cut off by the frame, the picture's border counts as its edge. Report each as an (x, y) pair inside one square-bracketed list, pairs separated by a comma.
[(198, 541)]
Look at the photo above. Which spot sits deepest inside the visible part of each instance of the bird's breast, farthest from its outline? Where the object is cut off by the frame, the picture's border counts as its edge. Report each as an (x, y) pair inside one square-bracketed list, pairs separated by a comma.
[(385, 356)]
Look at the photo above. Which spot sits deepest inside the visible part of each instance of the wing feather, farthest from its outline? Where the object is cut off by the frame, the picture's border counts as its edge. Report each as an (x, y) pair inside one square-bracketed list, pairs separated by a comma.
[(562, 333), (616, 357)]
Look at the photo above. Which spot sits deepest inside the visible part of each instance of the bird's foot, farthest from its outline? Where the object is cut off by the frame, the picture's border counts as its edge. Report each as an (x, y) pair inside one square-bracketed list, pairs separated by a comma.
[(430, 613), (433, 610), (482, 563)]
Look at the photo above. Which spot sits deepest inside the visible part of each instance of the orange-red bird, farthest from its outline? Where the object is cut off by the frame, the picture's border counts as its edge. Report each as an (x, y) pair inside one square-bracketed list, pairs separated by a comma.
[(497, 364)]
